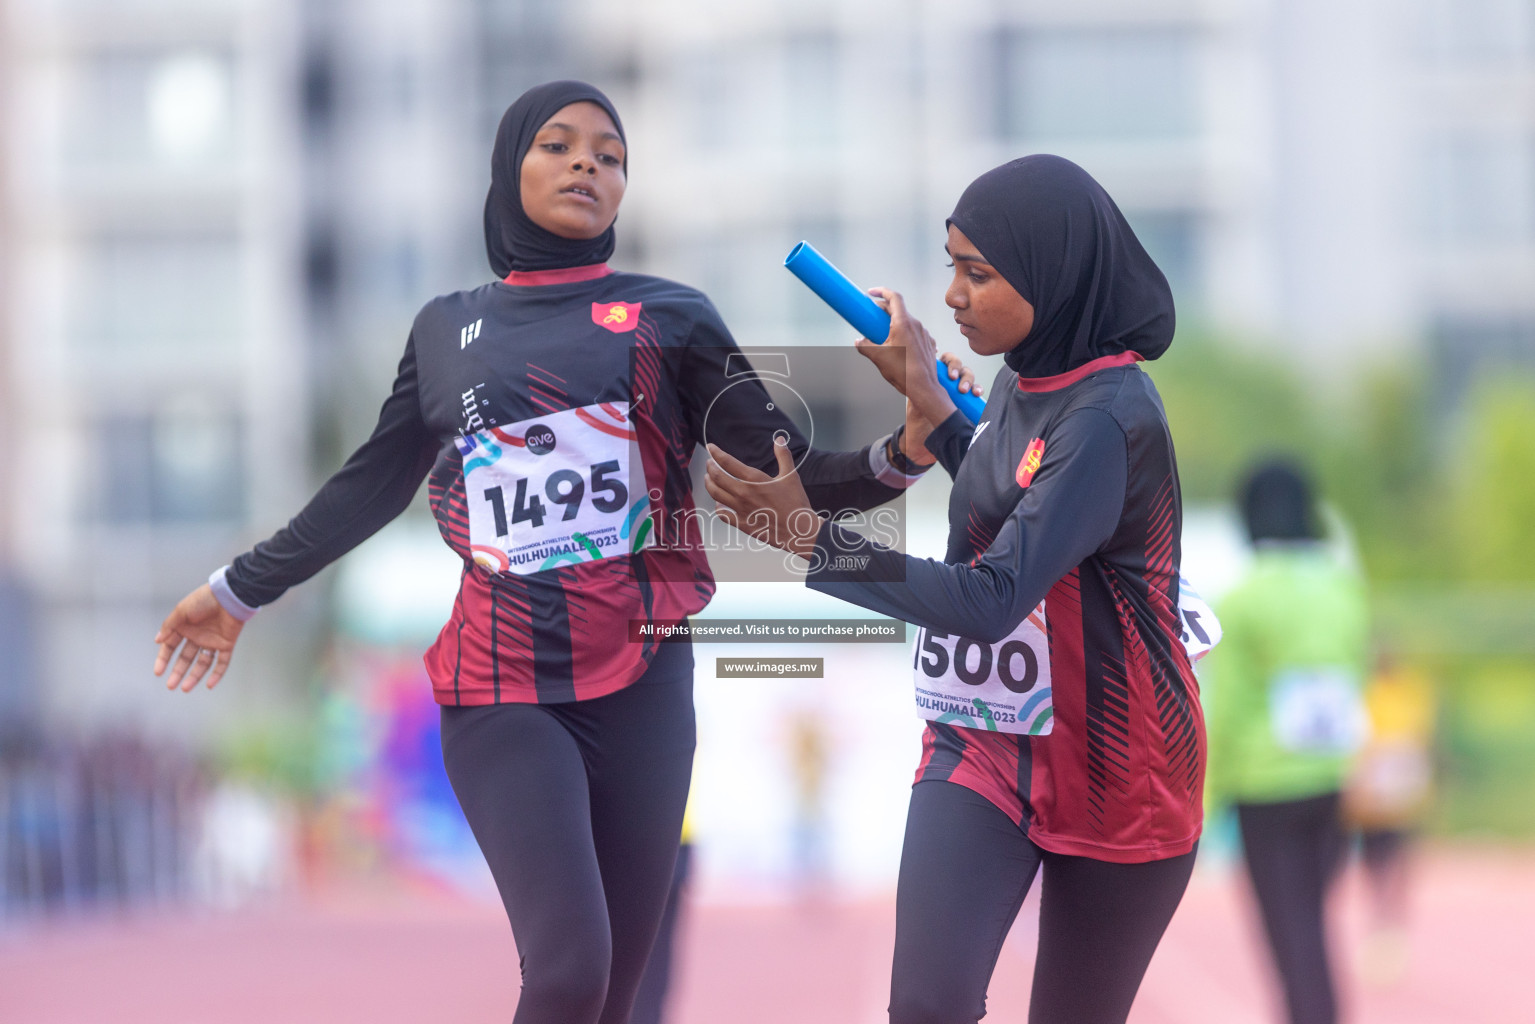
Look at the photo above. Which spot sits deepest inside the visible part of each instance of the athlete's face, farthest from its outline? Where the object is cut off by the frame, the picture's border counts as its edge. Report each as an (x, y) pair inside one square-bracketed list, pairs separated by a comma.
[(991, 314), (572, 178)]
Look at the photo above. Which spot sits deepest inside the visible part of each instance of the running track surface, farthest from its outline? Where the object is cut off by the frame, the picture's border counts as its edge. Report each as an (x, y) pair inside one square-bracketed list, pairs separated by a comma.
[(405, 952)]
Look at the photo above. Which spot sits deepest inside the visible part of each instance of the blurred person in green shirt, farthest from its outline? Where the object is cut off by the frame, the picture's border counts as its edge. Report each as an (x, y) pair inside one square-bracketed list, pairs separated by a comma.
[(1285, 716)]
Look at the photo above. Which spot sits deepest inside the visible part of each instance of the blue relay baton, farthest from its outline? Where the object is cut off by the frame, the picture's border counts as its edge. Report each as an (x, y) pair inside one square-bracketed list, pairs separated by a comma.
[(845, 298)]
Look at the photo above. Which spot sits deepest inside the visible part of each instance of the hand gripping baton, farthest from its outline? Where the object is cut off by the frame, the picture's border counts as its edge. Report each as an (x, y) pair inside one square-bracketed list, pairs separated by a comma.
[(864, 314)]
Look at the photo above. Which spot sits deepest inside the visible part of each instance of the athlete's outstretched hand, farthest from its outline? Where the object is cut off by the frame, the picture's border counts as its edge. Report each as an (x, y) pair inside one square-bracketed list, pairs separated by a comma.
[(206, 634), (772, 509), (907, 359)]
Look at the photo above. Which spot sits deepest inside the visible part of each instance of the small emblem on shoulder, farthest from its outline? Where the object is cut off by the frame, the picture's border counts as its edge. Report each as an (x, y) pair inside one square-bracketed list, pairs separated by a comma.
[(469, 333), (1033, 455), (617, 317)]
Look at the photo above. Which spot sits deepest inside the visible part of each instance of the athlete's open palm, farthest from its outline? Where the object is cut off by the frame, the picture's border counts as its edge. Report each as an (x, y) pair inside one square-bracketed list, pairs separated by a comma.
[(206, 635), (771, 509)]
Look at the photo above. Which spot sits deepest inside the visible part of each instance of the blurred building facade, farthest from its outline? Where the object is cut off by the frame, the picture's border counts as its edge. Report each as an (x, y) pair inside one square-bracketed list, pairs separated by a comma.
[(221, 215), (157, 406)]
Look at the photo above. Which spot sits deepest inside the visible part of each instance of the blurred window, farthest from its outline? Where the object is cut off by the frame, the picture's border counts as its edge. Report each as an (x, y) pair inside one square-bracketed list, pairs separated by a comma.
[(179, 464), (813, 319), (1469, 347), (390, 269), (813, 88), (1480, 189), (157, 291), (706, 78), (1476, 31), (520, 45), (318, 90), (401, 85), (1098, 84), (1171, 238), (167, 107)]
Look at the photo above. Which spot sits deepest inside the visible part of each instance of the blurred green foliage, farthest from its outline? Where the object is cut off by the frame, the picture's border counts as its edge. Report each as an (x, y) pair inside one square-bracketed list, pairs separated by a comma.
[(1494, 518), (279, 755), (1440, 496), (1487, 754)]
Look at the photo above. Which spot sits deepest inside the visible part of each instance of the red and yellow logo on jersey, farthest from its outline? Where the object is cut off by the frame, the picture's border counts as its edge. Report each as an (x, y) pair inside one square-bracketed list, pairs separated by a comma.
[(617, 317), (1033, 455)]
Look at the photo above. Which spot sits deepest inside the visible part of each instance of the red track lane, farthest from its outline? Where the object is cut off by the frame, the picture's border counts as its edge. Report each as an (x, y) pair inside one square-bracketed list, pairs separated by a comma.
[(408, 953)]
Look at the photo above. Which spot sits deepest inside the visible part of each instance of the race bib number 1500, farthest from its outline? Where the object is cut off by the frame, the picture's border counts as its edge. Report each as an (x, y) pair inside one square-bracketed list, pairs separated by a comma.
[(556, 490), (1005, 686), (1002, 687)]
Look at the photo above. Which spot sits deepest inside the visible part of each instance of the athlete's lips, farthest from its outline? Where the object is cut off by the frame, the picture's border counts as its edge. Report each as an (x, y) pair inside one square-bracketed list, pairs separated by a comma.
[(583, 192)]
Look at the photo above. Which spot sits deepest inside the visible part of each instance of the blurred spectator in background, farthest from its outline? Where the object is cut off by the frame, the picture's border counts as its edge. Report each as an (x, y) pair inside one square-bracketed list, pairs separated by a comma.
[(808, 757), (113, 822), (1386, 798), (1285, 716)]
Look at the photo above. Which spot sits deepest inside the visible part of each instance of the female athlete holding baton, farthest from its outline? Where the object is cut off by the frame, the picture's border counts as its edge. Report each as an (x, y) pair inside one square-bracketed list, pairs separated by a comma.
[(1064, 721), (554, 413)]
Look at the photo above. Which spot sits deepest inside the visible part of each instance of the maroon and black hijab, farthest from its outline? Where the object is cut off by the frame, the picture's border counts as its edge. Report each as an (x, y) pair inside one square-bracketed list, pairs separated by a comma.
[(512, 240), (1055, 235)]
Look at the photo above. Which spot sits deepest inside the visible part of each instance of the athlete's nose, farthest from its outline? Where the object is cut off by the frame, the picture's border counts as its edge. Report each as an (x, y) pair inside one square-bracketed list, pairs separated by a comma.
[(954, 297)]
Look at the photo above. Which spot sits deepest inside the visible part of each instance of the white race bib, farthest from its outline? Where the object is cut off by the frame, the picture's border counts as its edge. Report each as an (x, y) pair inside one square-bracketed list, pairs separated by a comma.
[(1001, 687), (557, 489), (1201, 629), (1005, 687), (1318, 711)]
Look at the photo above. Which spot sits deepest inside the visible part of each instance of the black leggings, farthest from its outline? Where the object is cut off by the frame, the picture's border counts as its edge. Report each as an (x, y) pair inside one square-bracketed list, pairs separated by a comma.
[(1293, 850), (965, 869), (578, 810)]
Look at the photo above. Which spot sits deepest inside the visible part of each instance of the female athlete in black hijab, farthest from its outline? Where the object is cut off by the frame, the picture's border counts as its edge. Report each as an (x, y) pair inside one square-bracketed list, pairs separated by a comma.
[(554, 413), (1064, 726), (513, 240)]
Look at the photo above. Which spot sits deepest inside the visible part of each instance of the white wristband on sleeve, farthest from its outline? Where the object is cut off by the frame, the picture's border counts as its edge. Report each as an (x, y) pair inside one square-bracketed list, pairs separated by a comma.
[(219, 584), (884, 472)]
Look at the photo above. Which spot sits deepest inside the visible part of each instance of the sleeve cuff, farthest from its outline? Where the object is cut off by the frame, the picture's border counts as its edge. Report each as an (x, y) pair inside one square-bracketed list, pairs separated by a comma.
[(847, 556), (219, 584), (885, 471), (956, 424)]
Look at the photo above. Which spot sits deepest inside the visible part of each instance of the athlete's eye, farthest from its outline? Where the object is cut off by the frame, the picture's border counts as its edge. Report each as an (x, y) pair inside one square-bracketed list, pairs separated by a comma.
[(977, 276), (609, 159), (555, 147)]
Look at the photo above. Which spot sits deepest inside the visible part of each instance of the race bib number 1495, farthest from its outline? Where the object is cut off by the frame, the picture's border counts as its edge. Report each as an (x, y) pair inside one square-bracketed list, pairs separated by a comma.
[(556, 490)]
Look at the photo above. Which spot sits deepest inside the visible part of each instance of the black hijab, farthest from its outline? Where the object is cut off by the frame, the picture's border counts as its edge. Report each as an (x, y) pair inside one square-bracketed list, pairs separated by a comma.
[(1277, 503), (512, 240), (1055, 235)]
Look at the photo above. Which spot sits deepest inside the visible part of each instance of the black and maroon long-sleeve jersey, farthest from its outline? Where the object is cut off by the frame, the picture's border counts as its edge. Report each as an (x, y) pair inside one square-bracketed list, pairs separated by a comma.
[(1066, 493), (555, 415)]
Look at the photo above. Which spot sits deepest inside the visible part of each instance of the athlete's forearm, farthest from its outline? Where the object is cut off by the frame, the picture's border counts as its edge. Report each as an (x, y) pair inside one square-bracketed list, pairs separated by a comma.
[(376, 485), (950, 440), (1071, 510), (983, 602), (837, 482), (349, 508)]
